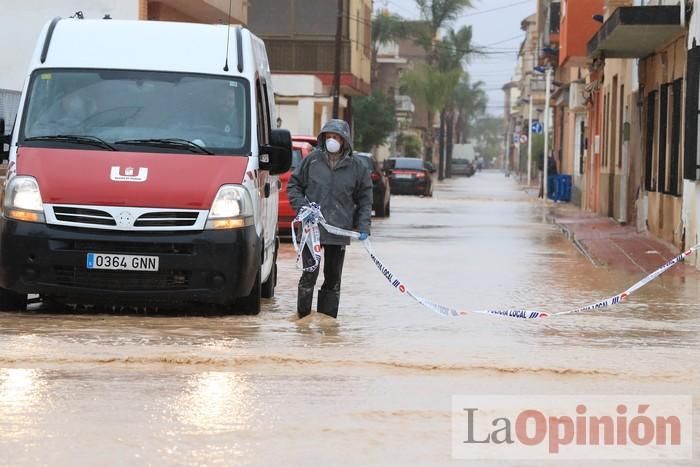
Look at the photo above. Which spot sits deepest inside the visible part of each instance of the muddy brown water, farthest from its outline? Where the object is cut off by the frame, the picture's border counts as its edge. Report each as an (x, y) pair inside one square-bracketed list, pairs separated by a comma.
[(373, 388)]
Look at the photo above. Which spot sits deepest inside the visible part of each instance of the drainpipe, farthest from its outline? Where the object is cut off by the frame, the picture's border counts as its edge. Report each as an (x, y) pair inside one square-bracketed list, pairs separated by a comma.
[(682, 13)]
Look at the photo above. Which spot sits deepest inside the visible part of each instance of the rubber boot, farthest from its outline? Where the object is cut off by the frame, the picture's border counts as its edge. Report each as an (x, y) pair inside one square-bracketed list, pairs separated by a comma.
[(328, 301), (304, 298)]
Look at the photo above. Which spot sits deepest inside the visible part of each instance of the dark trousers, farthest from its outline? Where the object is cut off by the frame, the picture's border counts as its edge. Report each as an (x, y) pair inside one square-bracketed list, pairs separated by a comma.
[(329, 295), (333, 259)]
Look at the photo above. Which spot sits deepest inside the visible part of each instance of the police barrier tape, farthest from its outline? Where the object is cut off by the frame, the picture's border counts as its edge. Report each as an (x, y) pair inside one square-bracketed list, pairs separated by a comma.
[(310, 218)]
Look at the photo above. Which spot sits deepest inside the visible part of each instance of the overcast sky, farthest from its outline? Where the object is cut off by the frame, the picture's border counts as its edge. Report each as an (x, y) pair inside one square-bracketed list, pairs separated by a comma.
[(496, 25)]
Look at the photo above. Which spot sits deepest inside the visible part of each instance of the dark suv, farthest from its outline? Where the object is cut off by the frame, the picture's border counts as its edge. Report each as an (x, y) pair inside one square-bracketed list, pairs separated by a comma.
[(381, 188)]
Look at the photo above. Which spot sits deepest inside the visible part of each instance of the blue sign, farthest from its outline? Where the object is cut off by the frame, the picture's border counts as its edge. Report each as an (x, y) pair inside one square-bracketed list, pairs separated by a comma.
[(537, 128)]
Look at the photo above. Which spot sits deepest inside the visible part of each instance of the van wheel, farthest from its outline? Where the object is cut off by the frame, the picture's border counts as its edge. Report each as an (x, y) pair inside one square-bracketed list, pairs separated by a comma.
[(11, 301), (250, 304), (268, 287)]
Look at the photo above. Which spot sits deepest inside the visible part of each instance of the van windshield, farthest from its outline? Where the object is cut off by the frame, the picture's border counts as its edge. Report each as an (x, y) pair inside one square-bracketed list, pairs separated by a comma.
[(125, 107)]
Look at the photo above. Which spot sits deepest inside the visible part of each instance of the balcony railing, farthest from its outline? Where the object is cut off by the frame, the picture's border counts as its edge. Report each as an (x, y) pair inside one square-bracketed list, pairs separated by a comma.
[(287, 55)]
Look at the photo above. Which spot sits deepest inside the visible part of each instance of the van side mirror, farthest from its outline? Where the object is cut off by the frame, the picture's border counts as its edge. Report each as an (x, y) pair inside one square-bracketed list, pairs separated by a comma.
[(276, 157)]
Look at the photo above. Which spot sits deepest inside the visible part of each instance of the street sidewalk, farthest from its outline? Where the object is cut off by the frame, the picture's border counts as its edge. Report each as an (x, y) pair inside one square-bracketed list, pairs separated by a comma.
[(607, 243)]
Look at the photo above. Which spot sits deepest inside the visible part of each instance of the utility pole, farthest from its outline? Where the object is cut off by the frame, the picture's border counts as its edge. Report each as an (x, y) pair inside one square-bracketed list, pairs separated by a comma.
[(545, 162), (529, 144), (338, 52)]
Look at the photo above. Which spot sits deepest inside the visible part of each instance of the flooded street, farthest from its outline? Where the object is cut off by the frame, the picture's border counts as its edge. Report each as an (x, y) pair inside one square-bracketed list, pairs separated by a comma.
[(376, 386)]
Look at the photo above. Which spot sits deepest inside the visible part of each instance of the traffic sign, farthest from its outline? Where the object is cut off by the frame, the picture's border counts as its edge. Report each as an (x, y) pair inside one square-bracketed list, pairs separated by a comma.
[(516, 138), (523, 139), (537, 128)]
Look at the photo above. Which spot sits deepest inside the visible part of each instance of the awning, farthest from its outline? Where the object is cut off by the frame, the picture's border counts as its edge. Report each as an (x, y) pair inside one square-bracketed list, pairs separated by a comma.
[(636, 32)]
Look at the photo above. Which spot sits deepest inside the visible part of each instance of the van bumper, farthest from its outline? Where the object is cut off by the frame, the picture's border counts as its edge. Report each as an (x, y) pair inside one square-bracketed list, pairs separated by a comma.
[(194, 267)]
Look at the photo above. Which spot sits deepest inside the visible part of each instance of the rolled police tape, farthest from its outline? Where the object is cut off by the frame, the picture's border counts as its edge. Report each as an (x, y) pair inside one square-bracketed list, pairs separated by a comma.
[(311, 217)]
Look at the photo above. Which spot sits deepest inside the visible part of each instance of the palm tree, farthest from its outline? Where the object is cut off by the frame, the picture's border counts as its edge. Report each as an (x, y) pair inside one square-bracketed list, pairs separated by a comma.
[(432, 88), (455, 51), (471, 101), (437, 14), (386, 28)]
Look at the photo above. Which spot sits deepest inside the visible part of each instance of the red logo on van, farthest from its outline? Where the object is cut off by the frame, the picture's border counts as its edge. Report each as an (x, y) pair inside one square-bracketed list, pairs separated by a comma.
[(127, 175)]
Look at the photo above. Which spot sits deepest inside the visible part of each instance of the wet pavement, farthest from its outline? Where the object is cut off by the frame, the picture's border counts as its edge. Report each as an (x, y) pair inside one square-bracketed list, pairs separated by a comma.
[(373, 388)]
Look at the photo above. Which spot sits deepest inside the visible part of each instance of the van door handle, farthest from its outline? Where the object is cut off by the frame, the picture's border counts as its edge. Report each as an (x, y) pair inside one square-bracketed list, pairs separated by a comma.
[(267, 190)]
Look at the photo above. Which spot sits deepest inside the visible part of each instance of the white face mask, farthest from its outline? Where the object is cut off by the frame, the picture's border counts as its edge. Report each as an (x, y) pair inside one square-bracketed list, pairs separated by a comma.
[(332, 145)]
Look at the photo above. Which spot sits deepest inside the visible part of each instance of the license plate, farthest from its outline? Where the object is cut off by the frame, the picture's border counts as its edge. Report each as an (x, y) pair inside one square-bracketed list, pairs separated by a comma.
[(406, 176), (122, 262)]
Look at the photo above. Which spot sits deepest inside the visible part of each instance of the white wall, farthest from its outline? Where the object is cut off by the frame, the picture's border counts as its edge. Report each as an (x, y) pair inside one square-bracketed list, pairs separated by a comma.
[(297, 97), (691, 189), (21, 22)]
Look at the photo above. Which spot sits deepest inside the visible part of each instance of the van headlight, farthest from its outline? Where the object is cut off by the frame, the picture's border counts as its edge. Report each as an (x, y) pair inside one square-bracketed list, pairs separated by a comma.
[(22, 200), (232, 208)]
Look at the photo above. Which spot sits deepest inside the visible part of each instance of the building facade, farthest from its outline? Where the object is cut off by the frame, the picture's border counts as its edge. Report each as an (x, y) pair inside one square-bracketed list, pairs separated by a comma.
[(300, 39)]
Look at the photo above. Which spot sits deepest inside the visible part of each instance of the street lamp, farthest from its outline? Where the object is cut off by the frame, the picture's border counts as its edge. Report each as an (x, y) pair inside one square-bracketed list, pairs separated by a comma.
[(548, 90)]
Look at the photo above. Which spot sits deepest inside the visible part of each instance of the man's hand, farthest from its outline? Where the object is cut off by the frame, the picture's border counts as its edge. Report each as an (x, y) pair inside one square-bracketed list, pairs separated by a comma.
[(364, 236)]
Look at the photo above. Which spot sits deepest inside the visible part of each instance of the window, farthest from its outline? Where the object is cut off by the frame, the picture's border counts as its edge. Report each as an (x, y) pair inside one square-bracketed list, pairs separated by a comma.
[(120, 105), (649, 141), (663, 138), (691, 162), (263, 118), (674, 173)]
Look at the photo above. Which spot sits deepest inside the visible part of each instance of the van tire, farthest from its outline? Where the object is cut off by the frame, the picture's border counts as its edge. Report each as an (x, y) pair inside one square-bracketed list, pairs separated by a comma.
[(268, 287), (250, 304), (11, 301)]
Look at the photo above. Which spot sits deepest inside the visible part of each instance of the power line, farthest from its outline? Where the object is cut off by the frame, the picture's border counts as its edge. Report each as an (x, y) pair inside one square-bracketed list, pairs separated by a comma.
[(499, 8), (506, 40)]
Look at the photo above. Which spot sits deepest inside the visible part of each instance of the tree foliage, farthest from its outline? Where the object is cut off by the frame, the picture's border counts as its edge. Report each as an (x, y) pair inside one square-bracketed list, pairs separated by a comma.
[(430, 86), (437, 14), (374, 120), (408, 145)]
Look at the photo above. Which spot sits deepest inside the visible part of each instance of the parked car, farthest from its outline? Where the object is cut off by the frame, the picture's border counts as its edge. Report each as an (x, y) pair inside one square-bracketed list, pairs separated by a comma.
[(312, 140), (410, 176), (463, 167), (381, 185), (286, 214)]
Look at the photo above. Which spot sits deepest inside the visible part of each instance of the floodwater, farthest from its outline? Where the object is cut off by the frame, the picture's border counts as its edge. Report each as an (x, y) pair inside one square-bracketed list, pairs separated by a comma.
[(373, 388)]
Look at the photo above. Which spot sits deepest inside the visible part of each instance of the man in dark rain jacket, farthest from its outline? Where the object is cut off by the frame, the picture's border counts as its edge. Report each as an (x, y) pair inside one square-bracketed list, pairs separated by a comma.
[(335, 179)]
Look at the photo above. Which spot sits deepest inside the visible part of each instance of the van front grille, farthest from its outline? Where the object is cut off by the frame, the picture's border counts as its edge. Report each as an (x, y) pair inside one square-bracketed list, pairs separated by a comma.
[(167, 219), (83, 215)]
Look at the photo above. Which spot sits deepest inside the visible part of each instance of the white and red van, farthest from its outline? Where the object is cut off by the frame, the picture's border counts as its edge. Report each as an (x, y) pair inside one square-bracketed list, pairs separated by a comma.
[(143, 168)]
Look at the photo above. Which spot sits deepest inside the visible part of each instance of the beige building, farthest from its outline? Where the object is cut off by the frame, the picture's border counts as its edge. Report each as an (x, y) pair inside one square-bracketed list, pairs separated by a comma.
[(194, 11)]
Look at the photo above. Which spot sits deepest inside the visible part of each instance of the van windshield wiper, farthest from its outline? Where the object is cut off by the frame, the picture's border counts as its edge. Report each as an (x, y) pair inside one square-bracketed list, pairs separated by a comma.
[(79, 139), (168, 143)]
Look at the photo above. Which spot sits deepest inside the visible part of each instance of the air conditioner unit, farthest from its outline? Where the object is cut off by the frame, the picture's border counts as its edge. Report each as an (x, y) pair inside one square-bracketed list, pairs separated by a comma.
[(576, 100)]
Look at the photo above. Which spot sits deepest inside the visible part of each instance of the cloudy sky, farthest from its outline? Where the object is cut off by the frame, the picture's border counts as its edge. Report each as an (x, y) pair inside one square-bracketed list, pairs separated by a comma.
[(496, 26)]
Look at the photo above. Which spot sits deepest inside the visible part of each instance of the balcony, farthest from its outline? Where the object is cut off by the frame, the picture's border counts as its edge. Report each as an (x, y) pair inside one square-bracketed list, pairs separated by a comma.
[(636, 32), (306, 56)]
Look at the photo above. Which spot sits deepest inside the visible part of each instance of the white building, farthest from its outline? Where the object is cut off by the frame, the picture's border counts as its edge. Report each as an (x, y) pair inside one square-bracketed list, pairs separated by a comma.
[(303, 103)]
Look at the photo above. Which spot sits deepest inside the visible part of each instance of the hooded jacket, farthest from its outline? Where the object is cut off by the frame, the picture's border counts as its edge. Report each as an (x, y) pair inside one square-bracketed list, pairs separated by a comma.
[(344, 192)]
